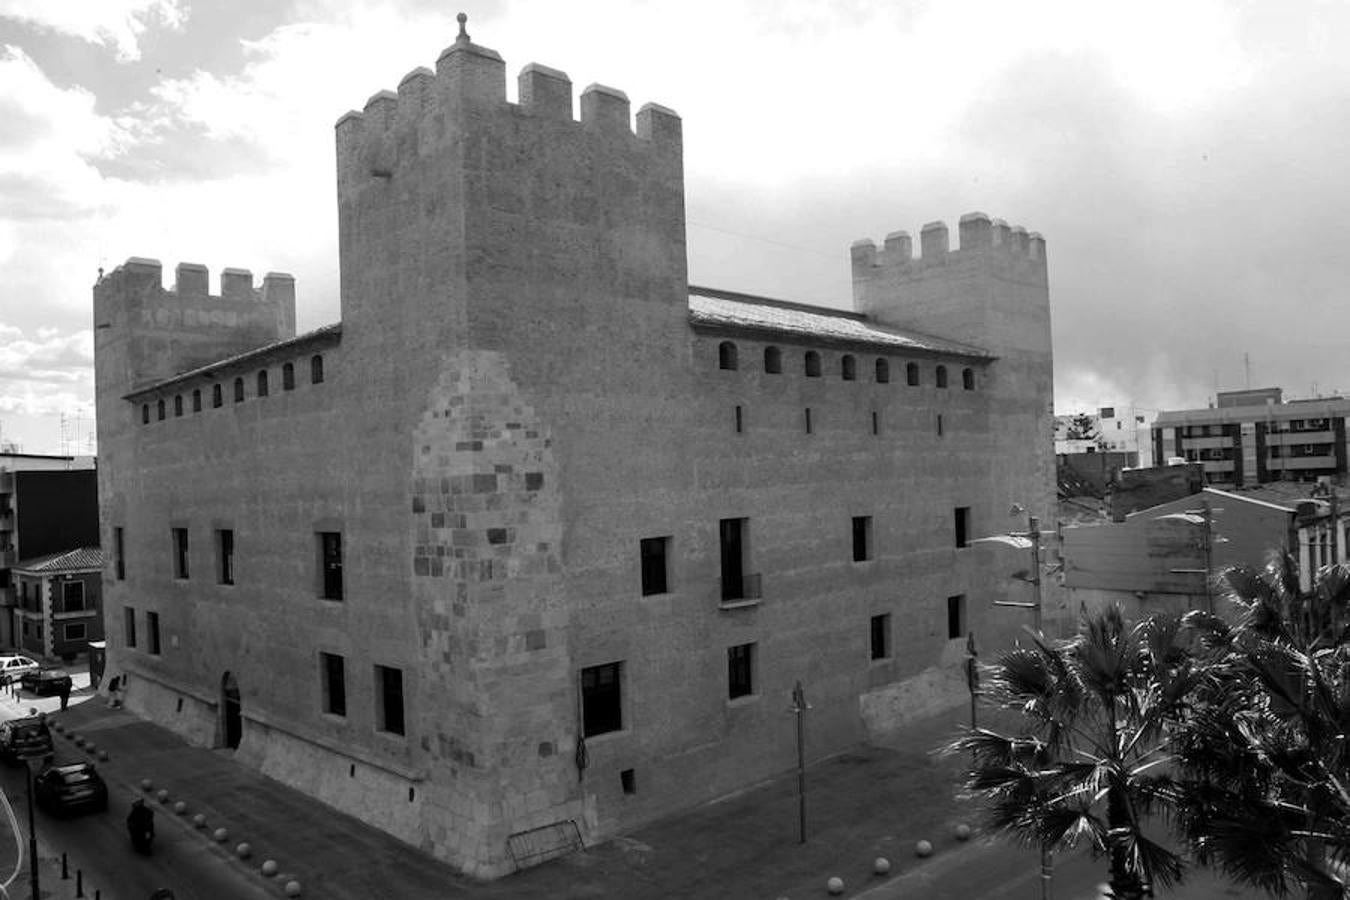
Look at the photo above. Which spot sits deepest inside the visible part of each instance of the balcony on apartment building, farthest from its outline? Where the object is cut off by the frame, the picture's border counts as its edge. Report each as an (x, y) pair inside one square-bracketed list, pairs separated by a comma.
[(1213, 442)]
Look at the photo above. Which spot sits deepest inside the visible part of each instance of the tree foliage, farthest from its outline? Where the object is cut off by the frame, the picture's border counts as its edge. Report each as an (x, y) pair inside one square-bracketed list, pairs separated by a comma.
[(1089, 767), (1264, 752)]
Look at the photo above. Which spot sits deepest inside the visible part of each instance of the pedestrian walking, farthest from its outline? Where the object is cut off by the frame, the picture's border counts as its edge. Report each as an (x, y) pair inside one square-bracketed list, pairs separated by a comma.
[(114, 685), (65, 694)]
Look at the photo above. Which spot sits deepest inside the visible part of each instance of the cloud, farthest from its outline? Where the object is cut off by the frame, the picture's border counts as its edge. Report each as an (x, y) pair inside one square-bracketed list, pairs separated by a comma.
[(116, 24), (45, 376)]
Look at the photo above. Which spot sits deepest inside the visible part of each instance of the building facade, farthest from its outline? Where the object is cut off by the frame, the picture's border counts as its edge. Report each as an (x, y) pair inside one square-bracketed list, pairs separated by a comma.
[(1254, 437), (60, 607), (48, 504), (534, 544), (1165, 558)]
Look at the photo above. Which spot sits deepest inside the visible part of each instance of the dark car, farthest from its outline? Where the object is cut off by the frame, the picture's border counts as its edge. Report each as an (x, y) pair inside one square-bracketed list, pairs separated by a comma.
[(71, 788), (45, 681), (22, 739)]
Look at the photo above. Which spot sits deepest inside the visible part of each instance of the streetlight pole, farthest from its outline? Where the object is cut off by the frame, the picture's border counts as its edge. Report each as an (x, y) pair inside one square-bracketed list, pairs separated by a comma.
[(1034, 532), (32, 834), (799, 707)]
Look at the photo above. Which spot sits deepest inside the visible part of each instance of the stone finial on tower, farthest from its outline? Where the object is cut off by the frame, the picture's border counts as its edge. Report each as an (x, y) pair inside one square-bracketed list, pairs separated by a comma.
[(933, 243), (1018, 240), (472, 72)]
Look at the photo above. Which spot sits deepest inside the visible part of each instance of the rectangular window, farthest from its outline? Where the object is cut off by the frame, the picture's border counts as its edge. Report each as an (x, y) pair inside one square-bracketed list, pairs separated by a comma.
[(740, 671), (74, 631), (655, 553), (740, 419), (956, 616), (330, 564), (862, 538), (225, 555), (333, 671), (119, 559), (129, 626), (881, 636), (876, 423), (72, 596), (737, 584), (389, 683), (808, 420), (152, 630), (180, 553), (601, 699), (961, 519)]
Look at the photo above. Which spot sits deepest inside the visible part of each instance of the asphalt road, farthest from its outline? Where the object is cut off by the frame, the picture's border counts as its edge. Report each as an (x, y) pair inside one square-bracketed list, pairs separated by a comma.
[(97, 843), (996, 871)]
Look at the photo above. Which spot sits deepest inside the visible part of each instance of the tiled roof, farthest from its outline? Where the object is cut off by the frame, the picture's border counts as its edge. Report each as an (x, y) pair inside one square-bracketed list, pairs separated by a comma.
[(334, 330), (83, 558), (714, 309)]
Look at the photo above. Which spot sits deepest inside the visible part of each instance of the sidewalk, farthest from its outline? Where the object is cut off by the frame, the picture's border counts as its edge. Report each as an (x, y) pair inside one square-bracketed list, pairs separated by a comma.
[(868, 803)]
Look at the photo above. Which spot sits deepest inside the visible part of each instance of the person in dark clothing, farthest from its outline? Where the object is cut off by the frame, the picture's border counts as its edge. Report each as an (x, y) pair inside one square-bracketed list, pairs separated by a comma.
[(141, 825), (65, 693)]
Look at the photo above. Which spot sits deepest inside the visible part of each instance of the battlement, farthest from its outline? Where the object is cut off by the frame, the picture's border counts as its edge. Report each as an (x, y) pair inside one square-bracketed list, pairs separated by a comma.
[(978, 234), (140, 276), (470, 80)]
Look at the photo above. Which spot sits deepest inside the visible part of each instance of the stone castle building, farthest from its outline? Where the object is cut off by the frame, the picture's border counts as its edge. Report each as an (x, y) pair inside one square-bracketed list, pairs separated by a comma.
[(533, 545)]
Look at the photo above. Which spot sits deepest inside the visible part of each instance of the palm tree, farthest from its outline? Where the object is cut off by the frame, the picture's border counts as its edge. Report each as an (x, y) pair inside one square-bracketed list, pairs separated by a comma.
[(1091, 763), (1265, 751)]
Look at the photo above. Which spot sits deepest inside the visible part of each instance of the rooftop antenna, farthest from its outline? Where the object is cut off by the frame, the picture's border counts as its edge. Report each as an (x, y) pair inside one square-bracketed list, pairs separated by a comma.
[(1247, 364)]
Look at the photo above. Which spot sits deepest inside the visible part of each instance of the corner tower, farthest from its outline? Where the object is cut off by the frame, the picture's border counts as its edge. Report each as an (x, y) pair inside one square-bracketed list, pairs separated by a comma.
[(991, 291)]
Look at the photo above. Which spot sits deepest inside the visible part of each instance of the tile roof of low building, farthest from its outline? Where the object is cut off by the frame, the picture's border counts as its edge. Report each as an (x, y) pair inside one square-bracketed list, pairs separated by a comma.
[(65, 561), (715, 309)]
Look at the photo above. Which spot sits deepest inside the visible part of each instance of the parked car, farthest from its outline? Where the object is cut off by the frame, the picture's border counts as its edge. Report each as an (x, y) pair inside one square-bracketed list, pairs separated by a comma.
[(26, 738), (45, 681), (71, 788), (11, 667)]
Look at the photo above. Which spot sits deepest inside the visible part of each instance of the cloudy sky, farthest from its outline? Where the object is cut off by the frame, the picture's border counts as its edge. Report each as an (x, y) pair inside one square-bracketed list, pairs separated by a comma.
[(1186, 162)]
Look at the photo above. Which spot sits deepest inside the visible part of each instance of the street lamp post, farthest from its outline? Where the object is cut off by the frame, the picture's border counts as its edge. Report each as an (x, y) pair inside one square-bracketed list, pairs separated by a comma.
[(1026, 540), (32, 834), (1204, 517)]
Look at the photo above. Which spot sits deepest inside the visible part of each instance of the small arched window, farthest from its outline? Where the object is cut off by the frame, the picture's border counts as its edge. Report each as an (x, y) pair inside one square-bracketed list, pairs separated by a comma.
[(941, 376), (160, 409), (262, 383), (812, 364), (848, 367), (316, 369), (217, 395), (177, 404), (145, 413), (883, 372), (773, 360), (726, 355), (912, 374), (968, 379), (288, 377), (239, 390), (196, 399)]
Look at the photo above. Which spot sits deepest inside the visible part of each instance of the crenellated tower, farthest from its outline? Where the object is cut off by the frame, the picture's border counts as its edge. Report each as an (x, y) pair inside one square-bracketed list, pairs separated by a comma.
[(144, 333), (463, 217), (991, 291)]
